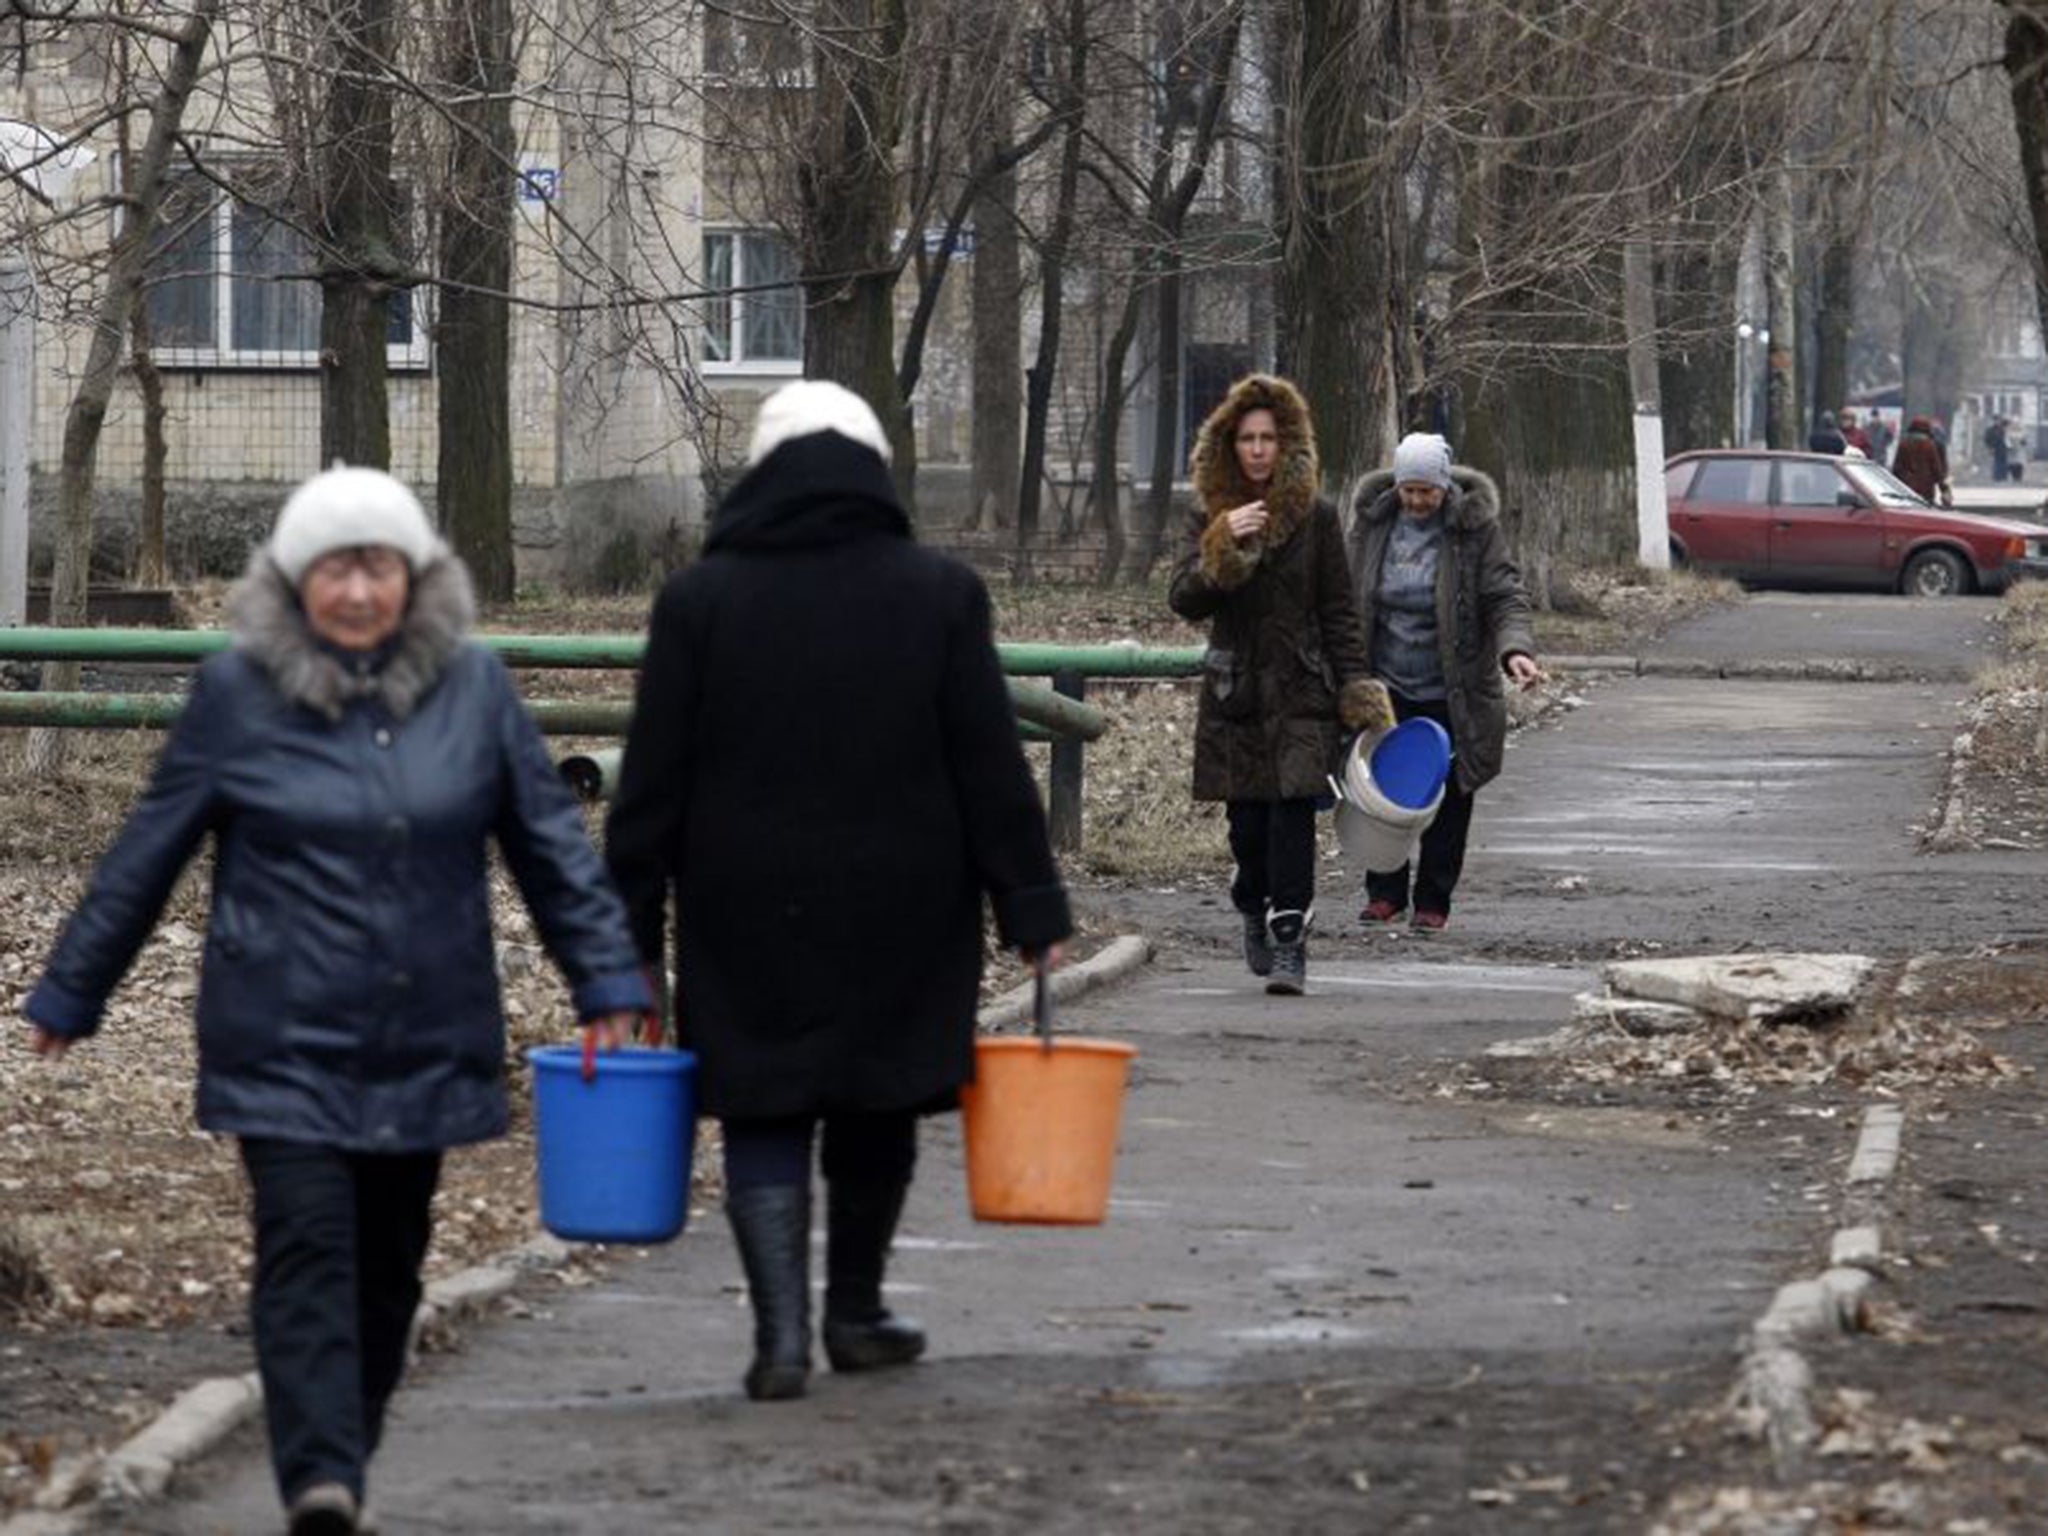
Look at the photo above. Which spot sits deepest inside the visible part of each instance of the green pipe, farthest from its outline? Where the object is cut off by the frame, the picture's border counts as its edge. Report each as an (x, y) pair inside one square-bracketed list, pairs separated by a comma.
[(155, 711), (1060, 716), (1033, 658), (1023, 659)]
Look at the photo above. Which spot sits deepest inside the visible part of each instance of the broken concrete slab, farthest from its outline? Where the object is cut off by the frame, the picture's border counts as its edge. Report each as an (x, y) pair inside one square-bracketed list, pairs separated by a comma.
[(1770, 988), (1634, 1015)]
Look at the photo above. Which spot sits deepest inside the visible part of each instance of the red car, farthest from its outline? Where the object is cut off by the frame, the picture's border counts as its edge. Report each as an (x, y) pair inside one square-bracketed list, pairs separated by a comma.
[(1814, 520)]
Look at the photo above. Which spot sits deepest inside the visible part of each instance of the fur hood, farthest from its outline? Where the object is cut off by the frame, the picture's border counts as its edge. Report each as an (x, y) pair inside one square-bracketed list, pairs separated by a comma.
[(270, 625), (1474, 501), (1297, 477)]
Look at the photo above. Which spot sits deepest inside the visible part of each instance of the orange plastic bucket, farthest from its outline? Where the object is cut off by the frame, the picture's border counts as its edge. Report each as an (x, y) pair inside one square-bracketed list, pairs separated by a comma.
[(1041, 1125)]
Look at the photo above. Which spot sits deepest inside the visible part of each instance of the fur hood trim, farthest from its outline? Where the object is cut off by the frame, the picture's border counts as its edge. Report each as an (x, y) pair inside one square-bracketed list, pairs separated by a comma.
[(1297, 478), (1474, 499), (270, 625)]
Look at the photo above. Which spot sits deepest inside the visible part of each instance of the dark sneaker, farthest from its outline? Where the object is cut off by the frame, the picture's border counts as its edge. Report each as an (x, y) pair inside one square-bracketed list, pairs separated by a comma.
[(1290, 954), (325, 1509), (1258, 952), (1430, 922), (1380, 910)]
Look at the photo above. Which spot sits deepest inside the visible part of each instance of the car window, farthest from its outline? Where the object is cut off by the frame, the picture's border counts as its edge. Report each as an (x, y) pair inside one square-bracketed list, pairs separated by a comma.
[(1802, 483), (1885, 486), (1733, 480), (1678, 479)]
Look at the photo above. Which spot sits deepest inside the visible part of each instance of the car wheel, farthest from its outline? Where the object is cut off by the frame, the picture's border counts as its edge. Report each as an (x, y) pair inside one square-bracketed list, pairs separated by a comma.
[(1678, 560), (1935, 573)]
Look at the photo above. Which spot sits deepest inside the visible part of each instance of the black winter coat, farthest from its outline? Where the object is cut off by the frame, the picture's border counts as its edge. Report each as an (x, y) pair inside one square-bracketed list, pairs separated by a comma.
[(349, 992), (825, 768)]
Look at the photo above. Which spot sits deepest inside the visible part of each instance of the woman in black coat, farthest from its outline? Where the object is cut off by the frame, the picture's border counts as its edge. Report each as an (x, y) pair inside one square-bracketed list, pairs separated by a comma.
[(352, 758), (825, 768)]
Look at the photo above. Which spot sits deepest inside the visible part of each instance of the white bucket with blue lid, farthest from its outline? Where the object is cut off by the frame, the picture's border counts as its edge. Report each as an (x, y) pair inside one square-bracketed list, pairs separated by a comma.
[(1392, 785)]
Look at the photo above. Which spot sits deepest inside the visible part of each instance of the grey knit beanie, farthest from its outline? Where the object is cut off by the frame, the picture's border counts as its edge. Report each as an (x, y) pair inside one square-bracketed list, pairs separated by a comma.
[(1423, 458)]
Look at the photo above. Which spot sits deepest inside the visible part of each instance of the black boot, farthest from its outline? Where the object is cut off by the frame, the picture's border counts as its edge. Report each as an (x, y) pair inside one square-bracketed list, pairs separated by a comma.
[(861, 1334), (773, 1226), (1258, 952), (1290, 954)]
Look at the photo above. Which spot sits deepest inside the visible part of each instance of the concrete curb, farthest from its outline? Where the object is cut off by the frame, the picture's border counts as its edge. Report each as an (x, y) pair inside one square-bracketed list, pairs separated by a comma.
[(1774, 1387), (1112, 963), (1791, 669), (140, 1468), (199, 1418)]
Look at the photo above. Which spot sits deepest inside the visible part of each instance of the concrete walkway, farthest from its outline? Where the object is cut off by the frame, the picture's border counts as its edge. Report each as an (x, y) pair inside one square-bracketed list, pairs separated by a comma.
[(1331, 1296)]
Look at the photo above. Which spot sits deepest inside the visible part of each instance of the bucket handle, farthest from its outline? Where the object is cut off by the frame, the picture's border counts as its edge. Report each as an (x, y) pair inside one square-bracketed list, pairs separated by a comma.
[(650, 1033), (1041, 998)]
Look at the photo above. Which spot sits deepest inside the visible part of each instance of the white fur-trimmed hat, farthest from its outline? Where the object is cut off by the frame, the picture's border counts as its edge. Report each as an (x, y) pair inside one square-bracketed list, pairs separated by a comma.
[(815, 405), (342, 508)]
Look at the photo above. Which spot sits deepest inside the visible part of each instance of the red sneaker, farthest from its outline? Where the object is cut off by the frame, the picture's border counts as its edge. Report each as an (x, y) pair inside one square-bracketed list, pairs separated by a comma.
[(1379, 910), (1430, 920)]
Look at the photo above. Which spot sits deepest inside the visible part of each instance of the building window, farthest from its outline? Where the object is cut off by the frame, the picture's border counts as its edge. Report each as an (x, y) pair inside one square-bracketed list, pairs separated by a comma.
[(748, 327), (754, 50), (230, 287)]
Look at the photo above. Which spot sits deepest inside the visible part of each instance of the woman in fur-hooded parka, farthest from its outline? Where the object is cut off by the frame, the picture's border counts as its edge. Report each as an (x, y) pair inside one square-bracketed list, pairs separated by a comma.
[(1286, 668)]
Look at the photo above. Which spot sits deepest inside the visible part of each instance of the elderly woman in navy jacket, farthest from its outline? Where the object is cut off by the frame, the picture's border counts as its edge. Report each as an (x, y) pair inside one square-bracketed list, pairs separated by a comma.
[(352, 757), (824, 770)]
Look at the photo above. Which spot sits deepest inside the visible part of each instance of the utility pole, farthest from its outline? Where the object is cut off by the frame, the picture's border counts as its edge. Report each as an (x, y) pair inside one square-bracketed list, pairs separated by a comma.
[(17, 401)]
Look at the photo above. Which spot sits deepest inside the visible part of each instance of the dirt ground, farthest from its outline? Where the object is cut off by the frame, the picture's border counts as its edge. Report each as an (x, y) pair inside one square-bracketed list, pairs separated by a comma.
[(123, 1242)]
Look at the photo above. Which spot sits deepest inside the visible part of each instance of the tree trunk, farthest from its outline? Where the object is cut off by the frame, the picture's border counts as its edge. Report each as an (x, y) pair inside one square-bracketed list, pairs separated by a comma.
[(1835, 292), (151, 569), (2026, 68), (1696, 372), (473, 478), (1166, 412), (846, 189), (998, 301), (1332, 323), (1052, 272), (1639, 311), (1781, 289), (357, 277), (87, 414), (1105, 489)]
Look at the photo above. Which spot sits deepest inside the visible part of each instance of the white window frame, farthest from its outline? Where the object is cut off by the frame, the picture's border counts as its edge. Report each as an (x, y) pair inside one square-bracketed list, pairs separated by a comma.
[(412, 356), (736, 364), (750, 73)]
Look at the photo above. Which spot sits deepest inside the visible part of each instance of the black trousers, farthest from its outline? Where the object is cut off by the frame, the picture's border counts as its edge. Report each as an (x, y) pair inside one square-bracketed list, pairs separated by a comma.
[(1442, 856), (339, 1240), (862, 1149), (1274, 844)]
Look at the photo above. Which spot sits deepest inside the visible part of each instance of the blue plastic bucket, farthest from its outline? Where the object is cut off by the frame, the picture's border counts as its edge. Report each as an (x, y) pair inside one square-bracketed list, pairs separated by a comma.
[(1411, 763), (614, 1152)]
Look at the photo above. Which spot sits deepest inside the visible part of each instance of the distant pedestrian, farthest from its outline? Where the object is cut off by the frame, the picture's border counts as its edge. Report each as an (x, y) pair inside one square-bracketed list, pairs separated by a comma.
[(1826, 437), (1855, 436), (2016, 455), (1285, 673), (824, 770), (351, 758), (1922, 463), (1447, 623), (1999, 444), (1880, 431)]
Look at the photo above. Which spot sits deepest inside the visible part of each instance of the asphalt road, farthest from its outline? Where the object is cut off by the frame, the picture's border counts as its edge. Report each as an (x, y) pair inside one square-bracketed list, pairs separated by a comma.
[(1330, 1296)]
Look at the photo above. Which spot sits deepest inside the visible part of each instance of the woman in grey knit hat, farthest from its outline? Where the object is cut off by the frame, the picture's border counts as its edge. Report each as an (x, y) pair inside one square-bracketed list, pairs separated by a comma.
[(1446, 627)]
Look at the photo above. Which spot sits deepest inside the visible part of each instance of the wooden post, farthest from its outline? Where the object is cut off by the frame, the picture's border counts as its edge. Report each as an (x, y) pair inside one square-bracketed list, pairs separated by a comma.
[(1066, 772)]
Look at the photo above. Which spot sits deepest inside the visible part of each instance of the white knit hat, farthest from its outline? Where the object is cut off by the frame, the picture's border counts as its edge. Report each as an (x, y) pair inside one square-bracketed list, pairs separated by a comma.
[(342, 508), (1423, 458), (815, 405)]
